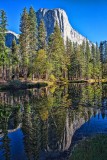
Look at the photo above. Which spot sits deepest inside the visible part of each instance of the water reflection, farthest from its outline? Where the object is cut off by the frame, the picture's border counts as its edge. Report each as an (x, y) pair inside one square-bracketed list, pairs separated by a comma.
[(44, 124)]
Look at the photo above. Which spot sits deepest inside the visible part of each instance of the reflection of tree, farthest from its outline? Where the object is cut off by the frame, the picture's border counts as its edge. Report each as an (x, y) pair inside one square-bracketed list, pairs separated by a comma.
[(27, 129), (56, 127), (6, 146), (38, 115), (9, 119), (15, 118), (5, 112), (92, 95), (75, 94), (49, 116)]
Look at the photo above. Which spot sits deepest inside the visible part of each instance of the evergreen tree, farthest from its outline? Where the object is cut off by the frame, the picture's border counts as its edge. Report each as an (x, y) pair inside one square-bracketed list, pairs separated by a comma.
[(14, 59), (98, 70), (103, 55), (24, 42), (42, 49), (88, 67), (32, 39), (101, 50), (83, 59), (41, 36), (57, 53), (41, 64), (74, 63), (69, 50), (3, 49), (93, 52), (80, 61)]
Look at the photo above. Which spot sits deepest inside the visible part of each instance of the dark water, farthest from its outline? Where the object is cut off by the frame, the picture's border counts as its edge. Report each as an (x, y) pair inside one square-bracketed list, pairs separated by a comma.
[(45, 124)]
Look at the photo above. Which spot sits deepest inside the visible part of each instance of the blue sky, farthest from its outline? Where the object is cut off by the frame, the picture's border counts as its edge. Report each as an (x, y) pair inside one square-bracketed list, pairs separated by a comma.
[(89, 17)]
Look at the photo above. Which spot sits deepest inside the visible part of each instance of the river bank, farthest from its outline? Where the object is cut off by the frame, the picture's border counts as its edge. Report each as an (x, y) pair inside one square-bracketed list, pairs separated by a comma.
[(94, 148), (21, 84)]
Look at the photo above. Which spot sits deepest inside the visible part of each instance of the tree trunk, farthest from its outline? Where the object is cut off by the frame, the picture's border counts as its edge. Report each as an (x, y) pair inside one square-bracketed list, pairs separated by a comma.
[(25, 74), (46, 76), (68, 75), (3, 78), (32, 77), (17, 72)]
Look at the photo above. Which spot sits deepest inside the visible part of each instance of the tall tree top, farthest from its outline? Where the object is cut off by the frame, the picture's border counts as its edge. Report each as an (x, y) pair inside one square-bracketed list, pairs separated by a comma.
[(24, 21), (3, 21), (41, 36)]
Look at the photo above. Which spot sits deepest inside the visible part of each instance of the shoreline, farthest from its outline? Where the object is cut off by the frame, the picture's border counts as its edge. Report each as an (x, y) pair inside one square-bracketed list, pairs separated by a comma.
[(95, 145), (21, 84)]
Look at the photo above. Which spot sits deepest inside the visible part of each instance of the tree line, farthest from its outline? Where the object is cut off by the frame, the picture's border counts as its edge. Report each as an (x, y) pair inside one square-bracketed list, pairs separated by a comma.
[(103, 51), (35, 57)]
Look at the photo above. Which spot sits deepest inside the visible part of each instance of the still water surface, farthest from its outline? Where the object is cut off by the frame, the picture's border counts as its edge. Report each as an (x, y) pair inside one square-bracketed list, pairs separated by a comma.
[(46, 123)]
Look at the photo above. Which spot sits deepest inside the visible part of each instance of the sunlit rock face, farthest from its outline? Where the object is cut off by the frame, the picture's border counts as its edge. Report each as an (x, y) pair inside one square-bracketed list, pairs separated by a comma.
[(51, 16), (10, 36)]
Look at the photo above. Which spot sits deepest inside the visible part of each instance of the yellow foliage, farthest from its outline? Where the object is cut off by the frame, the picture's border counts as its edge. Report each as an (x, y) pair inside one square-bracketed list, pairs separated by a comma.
[(44, 115), (52, 78)]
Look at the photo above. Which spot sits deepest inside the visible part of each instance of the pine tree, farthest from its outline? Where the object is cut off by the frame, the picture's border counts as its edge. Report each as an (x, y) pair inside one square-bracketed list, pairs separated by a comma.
[(14, 59), (93, 52), (57, 53), (69, 50), (41, 36), (42, 48), (80, 61), (98, 63), (103, 55), (83, 59), (3, 49), (88, 65), (74, 63), (32, 39), (24, 42), (40, 64)]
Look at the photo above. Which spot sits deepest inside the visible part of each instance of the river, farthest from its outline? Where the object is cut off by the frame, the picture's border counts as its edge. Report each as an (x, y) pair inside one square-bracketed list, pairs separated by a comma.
[(46, 123)]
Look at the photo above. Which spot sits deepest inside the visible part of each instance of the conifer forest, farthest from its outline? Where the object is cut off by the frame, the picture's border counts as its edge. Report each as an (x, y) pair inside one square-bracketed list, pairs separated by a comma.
[(35, 57)]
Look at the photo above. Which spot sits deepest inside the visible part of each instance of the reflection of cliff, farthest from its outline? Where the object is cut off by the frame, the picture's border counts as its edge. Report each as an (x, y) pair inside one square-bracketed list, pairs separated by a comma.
[(70, 129), (60, 146), (9, 131)]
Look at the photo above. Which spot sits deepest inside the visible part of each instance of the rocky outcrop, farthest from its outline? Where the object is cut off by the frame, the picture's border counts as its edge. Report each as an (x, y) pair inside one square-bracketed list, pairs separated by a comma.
[(10, 36), (51, 16)]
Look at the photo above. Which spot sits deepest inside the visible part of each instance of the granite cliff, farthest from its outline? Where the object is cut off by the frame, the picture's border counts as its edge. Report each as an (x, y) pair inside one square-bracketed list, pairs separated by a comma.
[(51, 16)]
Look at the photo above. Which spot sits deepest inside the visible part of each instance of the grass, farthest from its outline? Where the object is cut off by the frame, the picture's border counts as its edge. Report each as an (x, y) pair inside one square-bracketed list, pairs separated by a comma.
[(94, 148)]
